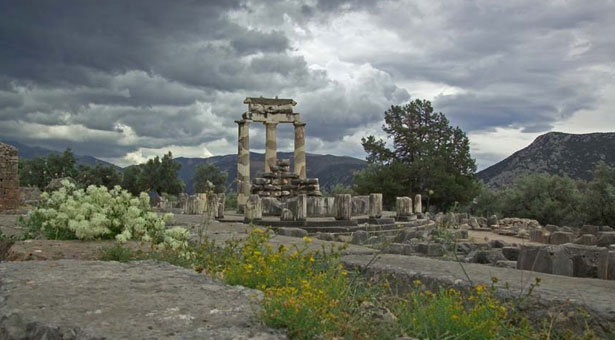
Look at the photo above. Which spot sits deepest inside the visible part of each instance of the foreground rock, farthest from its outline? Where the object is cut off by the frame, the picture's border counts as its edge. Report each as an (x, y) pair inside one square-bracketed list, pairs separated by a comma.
[(109, 300)]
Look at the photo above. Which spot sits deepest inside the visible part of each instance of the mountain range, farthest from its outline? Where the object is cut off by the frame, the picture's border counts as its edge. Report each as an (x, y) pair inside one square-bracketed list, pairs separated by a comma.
[(555, 153), (329, 169)]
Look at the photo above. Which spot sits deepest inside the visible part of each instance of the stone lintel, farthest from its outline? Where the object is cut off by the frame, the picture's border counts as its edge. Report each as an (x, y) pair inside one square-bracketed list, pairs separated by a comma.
[(272, 117)]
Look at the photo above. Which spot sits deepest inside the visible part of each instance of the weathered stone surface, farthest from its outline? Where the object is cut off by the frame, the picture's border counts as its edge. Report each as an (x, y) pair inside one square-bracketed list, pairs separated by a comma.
[(483, 256), (271, 206), (221, 205), (561, 237), (109, 300), (606, 238), (589, 229), (292, 232), (253, 209), (506, 264), (375, 205), (360, 205), (431, 249), (286, 215), (298, 206), (567, 259), (511, 253), (403, 206), (606, 265), (321, 206), (586, 239), (418, 204), (243, 163), (539, 235), (496, 244), (343, 207), (360, 237), (492, 220), (474, 223), (195, 204)]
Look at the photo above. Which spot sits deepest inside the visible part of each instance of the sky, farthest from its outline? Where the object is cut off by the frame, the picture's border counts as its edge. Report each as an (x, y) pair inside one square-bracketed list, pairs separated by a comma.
[(125, 81)]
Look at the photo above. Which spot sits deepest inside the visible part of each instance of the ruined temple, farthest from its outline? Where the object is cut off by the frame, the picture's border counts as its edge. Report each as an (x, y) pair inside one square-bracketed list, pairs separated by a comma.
[(278, 180)]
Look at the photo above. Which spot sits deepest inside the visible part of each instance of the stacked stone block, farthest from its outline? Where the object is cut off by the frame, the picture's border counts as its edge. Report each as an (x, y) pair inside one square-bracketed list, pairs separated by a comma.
[(9, 177), (282, 184)]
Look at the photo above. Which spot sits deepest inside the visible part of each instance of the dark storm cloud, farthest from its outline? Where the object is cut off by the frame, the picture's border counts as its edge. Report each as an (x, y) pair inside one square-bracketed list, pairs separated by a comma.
[(519, 64)]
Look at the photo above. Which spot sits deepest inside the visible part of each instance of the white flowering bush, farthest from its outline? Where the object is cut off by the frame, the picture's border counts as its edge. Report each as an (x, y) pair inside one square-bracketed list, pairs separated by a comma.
[(99, 213)]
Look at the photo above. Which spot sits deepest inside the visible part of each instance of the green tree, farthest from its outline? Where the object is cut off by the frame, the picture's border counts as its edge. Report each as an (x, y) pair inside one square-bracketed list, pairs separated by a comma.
[(41, 170), (427, 155), (131, 179), (599, 198), (160, 175), (100, 175), (549, 199), (207, 175)]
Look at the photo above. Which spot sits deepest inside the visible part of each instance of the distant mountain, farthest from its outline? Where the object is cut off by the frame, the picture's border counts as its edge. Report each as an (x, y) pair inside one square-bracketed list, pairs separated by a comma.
[(30, 152), (328, 168), (554, 153)]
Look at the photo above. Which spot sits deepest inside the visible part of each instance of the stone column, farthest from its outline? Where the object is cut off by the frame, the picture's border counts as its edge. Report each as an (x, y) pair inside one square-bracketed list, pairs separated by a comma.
[(418, 204), (270, 145), (253, 210), (375, 205), (301, 214), (343, 207), (243, 164), (403, 206), (300, 167), (221, 205)]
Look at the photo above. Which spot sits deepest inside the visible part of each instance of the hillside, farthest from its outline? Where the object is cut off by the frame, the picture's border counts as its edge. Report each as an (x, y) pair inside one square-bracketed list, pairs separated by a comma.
[(554, 153), (328, 168), (30, 152)]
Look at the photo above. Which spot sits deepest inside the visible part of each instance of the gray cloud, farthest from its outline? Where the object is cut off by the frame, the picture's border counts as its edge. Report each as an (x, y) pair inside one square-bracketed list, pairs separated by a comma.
[(108, 78)]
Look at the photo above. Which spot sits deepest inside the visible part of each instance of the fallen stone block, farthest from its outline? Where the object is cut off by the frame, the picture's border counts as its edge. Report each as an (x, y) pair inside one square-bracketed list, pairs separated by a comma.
[(587, 239), (506, 264), (496, 244), (561, 237), (589, 229), (70, 299), (511, 253), (491, 256), (551, 228), (292, 232), (360, 237), (606, 238), (539, 235)]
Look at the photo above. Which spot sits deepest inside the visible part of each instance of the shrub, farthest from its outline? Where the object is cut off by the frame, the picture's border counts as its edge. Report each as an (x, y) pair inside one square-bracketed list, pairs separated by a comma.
[(99, 213)]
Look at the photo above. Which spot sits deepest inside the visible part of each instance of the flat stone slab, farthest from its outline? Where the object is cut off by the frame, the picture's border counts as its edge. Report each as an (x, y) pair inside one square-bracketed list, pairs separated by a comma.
[(556, 294), (70, 299)]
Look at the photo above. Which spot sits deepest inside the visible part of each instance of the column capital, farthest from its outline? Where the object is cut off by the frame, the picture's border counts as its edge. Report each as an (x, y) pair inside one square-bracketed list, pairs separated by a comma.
[(243, 121), (271, 123), (299, 123)]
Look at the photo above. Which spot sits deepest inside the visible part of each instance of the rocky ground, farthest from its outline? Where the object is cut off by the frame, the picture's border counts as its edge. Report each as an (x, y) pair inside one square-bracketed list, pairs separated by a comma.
[(37, 284)]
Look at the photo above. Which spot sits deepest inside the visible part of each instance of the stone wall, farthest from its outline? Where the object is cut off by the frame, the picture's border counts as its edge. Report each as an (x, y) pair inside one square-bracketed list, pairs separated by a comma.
[(9, 177)]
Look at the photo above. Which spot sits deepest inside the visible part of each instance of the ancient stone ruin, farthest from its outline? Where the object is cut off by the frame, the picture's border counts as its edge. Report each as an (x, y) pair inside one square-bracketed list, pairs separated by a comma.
[(277, 176), (9, 177)]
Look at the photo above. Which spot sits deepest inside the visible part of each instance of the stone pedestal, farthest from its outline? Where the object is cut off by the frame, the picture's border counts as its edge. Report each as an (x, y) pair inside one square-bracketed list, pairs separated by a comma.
[(270, 145), (9, 177), (403, 207), (418, 204), (300, 150), (375, 205), (212, 206), (221, 205), (253, 209), (343, 207), (243, 164)]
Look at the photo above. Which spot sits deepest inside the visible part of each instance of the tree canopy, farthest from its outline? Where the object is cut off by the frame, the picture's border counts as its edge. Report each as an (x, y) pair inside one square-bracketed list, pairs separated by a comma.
[(427, 156), (208, 177)]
